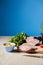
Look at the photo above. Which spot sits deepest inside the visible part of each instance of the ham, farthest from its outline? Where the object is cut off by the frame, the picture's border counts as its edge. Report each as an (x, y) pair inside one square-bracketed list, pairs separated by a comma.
[(29, 45), (25, 47), (32, 41)]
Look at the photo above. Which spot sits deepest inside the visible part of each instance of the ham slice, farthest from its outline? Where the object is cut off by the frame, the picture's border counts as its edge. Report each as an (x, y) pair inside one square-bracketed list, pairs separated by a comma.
[(25, 47), (32, 41)]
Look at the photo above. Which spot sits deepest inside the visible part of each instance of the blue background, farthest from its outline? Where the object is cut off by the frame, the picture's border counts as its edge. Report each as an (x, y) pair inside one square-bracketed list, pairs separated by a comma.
[(21, 16)]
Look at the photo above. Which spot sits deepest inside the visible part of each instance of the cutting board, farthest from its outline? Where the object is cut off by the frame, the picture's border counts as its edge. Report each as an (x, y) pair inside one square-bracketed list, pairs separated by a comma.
[(39, 49)]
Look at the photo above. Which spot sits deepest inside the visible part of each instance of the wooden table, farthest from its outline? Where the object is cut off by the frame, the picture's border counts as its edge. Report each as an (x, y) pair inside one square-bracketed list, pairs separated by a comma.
[(16, 58)]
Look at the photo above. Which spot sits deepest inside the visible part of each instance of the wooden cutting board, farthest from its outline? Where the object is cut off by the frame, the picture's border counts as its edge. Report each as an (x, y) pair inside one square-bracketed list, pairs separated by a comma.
[(39, 49)]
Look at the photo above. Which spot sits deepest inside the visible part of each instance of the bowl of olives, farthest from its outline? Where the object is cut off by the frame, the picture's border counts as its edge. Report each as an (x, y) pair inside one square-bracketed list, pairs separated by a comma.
[(9, 46)]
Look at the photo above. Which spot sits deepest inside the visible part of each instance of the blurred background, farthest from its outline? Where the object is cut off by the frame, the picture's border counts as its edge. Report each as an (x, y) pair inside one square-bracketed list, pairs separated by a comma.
[(20, 16)]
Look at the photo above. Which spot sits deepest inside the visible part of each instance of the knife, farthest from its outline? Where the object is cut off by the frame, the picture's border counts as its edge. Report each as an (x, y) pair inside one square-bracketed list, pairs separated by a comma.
[(34, 56)]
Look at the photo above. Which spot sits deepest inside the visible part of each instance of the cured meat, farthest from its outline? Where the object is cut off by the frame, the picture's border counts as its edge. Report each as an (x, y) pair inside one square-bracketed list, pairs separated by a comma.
[(25, 47), (29, 46), (32, 41)]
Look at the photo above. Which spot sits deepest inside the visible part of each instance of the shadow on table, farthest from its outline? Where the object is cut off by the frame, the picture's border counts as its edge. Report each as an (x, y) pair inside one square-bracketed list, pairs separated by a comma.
[(15, 51)]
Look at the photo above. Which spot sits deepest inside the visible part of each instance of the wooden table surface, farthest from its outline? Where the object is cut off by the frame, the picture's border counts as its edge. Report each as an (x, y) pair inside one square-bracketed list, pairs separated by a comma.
[(16, 58)]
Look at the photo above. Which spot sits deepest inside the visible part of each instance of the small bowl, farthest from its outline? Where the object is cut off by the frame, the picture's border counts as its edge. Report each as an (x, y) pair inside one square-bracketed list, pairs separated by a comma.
[(10, 47)]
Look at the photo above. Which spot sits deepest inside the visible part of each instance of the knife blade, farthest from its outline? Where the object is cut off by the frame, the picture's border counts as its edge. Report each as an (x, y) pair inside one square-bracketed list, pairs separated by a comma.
[(34, 56)]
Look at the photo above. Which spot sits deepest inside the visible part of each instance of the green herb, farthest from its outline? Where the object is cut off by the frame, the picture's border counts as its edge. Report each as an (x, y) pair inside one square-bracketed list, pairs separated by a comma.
[(19, 39)]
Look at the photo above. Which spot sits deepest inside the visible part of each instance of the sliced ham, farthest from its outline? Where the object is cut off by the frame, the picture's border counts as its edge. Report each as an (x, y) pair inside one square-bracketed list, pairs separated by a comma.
[(29, 45), (32, 41), (25, 47)]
